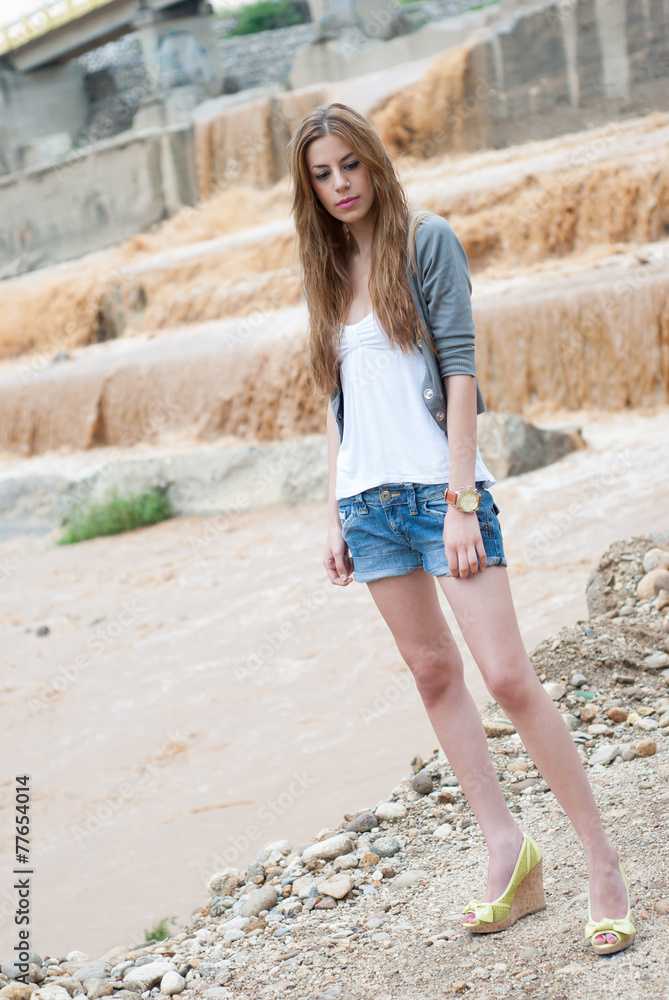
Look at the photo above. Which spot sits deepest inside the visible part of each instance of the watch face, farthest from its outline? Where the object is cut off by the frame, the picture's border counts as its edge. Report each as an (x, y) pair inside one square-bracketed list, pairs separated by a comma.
[(468, 502)]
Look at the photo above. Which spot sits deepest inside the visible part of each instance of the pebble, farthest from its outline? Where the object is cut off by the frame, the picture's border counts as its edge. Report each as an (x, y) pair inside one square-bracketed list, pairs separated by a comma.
[(92, 970), (336, 886), (96, 988), (146, 976), (555, 690), (604, 755), (262, 899), (496, 727), (279, 847), (345, 861), (655, 559), (588, 713), (423, 783), (52, 991), (662, 906), (76, 956), (578, 680), (255, 870), (10, 967), (368, 860), (172, 983), (656, 661), (326, 903), (119, 969), (363, 822), (17, 991), (646, 586), (390, 810), (443, 832), (328, 849), (664, 720), (599, 729), (662, 600), (628, 754), (224, 883), (386, 847), (646, 748), (571, 721), (617, 714), (409, 877), (647, 724)]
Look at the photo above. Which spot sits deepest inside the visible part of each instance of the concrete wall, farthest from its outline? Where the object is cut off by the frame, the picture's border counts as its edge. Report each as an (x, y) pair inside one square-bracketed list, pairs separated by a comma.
[(39, 104), (575, 63), (117, 188)]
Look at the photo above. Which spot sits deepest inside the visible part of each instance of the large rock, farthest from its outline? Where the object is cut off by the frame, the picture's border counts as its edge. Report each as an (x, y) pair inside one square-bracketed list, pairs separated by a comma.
[(328, 849), (146, 976), (224, 883), (336, 886), (262, 899), (510, 445), (92, 970)]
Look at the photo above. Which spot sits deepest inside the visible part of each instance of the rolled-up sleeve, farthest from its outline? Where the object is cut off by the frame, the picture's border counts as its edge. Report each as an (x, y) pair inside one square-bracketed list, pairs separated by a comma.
[(446, 285)]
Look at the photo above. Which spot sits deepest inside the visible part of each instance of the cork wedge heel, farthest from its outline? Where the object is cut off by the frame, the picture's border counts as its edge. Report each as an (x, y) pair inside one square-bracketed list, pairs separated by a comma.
[(523, 895)]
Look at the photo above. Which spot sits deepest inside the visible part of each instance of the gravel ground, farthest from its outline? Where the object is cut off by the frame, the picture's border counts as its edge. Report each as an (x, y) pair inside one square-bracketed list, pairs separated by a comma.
[(387, 923)]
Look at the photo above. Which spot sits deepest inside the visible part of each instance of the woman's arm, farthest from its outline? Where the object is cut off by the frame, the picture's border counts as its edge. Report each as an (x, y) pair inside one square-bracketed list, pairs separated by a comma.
[(463, 544), (337, 559)]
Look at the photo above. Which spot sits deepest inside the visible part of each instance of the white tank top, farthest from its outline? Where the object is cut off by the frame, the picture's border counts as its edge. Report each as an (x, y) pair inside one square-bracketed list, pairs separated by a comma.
[(389, 435)]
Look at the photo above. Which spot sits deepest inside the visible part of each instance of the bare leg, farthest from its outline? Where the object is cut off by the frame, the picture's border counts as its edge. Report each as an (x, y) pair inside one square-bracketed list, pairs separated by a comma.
[(483, 607), (410, 606)]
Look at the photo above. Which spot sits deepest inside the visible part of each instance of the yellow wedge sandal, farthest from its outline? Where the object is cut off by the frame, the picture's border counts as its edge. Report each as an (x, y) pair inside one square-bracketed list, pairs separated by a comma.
[(523, 895), (623, 928)]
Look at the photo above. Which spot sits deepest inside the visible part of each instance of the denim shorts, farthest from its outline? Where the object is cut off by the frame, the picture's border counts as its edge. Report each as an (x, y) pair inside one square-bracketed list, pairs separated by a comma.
[(396, 528)]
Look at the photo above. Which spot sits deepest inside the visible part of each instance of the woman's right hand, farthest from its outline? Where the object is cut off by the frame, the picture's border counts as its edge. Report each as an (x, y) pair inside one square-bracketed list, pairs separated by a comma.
[(337, 559)]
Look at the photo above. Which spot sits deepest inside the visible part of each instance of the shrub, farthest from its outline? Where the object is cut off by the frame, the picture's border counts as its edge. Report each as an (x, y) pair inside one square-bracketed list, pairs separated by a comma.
[(117, 514), (266, 15)]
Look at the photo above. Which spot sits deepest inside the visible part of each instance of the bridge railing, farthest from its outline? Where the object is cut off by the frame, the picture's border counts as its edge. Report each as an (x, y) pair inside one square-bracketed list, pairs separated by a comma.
[(46, 18)]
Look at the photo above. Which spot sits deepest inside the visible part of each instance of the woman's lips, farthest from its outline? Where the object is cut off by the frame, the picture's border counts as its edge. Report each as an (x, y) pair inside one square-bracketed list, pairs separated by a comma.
[(347, 201)]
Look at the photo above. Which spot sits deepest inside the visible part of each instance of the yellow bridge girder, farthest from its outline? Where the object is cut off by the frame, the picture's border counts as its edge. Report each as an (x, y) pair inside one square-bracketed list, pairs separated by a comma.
[(43, 20)]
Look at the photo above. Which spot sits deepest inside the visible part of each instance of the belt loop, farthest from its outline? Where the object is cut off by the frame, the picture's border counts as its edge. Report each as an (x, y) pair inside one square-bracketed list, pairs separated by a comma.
[(363, 506), (411, 498)]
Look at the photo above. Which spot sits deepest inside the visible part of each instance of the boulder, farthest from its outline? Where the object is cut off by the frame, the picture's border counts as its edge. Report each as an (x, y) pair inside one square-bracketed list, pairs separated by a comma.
[(510, 445)]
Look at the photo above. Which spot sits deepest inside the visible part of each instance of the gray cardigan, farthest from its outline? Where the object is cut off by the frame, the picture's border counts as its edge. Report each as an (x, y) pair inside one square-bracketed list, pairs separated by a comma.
[(442, 295)]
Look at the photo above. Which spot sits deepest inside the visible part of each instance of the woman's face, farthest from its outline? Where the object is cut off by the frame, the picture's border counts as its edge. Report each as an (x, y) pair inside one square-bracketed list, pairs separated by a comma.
[(341, 183)]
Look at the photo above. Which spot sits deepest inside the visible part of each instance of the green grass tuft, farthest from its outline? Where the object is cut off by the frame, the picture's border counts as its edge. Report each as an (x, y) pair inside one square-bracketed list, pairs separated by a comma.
[(160, 930), (117, 514)]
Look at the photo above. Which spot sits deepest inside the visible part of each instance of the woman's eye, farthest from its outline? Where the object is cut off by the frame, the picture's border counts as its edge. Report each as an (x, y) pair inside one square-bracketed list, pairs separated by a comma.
[(321, 177), (352, 164)]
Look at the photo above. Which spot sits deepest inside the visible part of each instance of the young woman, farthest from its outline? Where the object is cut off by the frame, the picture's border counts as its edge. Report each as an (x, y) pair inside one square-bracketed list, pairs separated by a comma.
[(392, 344)]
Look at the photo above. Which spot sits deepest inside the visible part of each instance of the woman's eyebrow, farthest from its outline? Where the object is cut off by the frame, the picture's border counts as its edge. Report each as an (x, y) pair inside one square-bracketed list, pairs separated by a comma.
[(320, 166)]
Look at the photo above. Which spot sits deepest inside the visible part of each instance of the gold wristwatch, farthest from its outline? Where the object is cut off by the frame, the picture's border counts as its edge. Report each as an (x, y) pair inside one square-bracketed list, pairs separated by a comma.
[(468, 499)]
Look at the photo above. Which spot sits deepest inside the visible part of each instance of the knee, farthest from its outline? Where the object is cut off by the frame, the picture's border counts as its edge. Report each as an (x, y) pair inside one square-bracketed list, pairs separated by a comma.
[(511, 686), (435, 669)]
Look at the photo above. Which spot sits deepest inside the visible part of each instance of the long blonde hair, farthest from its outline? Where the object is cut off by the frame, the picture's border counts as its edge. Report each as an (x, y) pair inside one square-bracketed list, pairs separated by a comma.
[(324, 243)]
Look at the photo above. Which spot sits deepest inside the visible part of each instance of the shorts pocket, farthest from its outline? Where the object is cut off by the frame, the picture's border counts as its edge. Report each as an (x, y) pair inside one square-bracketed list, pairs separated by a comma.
[(347, 514)]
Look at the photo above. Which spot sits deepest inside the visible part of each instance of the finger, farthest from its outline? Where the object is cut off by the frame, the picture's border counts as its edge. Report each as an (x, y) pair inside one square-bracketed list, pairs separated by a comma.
[(483, 559), (473, 560), (340, 564), (330, 567)]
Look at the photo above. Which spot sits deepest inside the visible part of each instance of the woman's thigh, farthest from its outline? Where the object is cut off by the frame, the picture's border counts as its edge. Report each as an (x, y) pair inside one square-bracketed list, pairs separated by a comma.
[(483, 608), (410, 606)]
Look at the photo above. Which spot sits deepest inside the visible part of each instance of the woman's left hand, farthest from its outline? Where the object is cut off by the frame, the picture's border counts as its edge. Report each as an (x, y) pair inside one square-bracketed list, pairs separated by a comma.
[(463, 544)]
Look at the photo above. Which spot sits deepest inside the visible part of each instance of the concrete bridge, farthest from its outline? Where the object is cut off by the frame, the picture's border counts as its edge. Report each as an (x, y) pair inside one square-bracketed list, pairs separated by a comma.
[(60, 30)]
